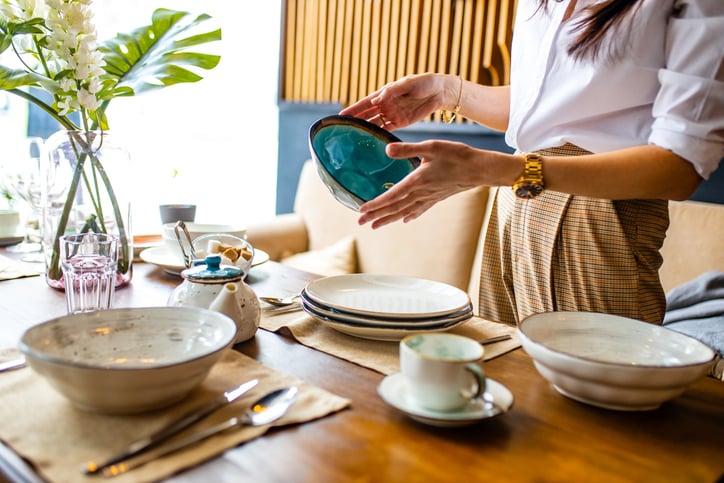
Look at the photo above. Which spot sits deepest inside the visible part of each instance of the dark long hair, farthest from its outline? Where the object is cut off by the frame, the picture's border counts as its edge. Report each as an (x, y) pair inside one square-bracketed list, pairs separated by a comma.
[(594, 22)]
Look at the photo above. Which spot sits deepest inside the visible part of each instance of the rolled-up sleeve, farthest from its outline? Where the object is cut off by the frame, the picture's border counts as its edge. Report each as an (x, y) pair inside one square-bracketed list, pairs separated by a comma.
[(689, 108)]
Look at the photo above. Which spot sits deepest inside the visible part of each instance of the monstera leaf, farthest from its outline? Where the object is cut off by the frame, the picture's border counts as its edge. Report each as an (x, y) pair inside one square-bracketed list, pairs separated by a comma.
[(154, 56), (11, 78)]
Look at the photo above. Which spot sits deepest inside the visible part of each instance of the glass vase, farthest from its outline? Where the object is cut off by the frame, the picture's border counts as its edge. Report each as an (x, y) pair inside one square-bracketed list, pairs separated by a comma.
[(86, 188)]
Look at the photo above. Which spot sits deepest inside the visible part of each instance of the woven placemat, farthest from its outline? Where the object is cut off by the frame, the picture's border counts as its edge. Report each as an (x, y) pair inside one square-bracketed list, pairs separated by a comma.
[(56, 438)]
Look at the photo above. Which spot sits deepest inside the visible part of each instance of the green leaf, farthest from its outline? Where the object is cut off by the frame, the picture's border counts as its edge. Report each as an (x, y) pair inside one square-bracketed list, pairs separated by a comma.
[(9, 29), (151, 57), (13, 78)]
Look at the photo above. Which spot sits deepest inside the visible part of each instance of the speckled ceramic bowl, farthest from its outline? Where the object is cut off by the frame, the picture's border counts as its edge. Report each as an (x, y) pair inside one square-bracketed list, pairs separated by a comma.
[(349, 154), (613, 362), (128, 360)]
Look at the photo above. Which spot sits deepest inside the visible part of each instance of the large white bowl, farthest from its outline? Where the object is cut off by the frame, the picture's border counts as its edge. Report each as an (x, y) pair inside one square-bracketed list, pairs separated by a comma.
[(613, 362), (128, 360)]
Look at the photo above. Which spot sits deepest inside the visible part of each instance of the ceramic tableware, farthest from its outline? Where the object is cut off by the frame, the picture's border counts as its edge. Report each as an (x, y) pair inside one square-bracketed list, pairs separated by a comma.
[(390, 321), (378, 332), (128, 360), (9, 223), (613, 362), (220, 288), (498, 401), (442, 372), (175, 212), (349, 154), (377, 295)]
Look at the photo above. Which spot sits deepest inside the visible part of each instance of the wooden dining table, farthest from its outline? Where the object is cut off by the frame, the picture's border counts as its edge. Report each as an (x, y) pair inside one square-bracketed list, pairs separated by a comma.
[(544, 437)]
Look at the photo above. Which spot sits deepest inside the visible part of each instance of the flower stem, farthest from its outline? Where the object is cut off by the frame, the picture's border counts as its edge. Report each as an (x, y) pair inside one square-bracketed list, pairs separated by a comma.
[(85, 152)]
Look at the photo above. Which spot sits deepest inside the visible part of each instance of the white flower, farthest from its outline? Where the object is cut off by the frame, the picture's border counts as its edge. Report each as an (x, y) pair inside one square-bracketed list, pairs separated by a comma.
[(73, 39), (67, 84), (21, 10), (87, 101)]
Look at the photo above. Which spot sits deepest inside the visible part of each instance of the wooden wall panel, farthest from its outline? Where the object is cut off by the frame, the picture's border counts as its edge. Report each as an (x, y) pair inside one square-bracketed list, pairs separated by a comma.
[(336, 51)]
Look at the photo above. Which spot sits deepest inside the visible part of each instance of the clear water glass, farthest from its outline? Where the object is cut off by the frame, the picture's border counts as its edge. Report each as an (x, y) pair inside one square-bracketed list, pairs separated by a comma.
[(89, 262)]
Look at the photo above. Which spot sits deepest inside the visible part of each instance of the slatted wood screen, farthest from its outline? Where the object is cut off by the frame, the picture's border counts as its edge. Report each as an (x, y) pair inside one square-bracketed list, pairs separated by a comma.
[(340, 50)]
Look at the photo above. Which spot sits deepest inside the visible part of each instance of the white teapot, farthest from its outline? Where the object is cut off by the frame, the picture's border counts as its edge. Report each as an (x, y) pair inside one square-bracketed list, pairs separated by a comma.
[(221, 288)]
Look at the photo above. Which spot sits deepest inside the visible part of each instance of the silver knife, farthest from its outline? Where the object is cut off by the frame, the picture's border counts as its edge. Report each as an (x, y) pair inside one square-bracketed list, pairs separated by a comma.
[(186, 420)]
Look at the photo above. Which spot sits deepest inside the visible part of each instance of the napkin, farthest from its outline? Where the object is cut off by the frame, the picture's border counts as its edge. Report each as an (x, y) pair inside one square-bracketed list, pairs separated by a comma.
[(56, 438), (10, 269), (380, 356)]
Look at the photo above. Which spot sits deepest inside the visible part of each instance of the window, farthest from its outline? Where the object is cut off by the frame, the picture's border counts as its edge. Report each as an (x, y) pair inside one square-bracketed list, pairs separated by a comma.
[(213, 143)]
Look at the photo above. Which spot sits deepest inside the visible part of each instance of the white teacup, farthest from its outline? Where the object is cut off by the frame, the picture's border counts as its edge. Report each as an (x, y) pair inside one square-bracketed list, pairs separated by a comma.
[(442, 372), (196, 230), (9, 223)]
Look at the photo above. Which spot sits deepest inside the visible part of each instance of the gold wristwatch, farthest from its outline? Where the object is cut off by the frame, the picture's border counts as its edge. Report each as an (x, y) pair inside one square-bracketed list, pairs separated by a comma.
[(530, 184)]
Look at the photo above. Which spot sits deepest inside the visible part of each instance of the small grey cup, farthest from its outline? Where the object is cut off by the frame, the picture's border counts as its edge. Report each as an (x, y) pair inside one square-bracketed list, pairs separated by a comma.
[(174, 213)]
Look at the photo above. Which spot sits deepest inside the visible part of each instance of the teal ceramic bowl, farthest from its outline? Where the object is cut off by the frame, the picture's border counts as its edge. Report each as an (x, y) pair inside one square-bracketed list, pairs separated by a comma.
[(349, 154)]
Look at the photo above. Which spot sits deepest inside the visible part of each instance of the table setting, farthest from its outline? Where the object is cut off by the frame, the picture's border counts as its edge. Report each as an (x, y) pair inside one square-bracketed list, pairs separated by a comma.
[(347, 377)]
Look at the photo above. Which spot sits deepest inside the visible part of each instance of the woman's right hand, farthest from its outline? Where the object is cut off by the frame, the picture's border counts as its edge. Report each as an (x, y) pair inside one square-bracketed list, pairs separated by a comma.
[(406, 101)]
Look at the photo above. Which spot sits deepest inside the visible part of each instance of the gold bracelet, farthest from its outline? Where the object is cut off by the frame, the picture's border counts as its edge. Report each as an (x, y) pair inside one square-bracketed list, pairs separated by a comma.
[(448, 116)]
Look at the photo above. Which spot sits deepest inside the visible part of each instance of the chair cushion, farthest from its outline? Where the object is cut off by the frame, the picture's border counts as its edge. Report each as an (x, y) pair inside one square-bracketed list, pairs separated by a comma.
[(693, 243), (339, 258)]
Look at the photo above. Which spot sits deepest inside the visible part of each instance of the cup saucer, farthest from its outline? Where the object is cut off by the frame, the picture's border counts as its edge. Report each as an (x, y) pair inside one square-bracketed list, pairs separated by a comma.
[(392, 391), (161, 257)]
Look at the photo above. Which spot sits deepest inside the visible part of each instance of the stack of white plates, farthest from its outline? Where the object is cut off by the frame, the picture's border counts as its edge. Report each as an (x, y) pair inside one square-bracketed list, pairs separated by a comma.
[(385, 307)]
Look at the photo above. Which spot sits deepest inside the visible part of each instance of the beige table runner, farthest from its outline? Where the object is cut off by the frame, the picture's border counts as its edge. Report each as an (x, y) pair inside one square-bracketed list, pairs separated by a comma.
[(381, 356), (44, 428)]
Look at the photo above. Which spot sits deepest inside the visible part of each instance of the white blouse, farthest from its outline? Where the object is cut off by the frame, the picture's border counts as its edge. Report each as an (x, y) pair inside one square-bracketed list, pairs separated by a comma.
[(667, 89)]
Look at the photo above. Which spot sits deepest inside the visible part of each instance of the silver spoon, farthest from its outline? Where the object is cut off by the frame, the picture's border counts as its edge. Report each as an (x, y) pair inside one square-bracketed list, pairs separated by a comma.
[(266, 410), (280, 301)]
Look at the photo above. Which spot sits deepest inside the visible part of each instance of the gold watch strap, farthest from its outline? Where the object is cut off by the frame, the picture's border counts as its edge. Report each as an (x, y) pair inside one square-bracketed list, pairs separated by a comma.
[(530, 184)]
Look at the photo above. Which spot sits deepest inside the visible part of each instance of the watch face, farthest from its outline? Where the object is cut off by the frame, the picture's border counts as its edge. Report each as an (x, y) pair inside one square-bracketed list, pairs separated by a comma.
[(528, 190)]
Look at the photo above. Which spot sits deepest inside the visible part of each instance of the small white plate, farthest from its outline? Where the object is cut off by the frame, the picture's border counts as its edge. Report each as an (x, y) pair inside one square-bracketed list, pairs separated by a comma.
[(379, 333), (392, 391), (385, 295), (160, 257)]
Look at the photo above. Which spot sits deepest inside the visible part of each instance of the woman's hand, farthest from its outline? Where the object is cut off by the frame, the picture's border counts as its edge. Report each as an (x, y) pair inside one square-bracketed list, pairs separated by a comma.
[(447, 168), (405, 101)]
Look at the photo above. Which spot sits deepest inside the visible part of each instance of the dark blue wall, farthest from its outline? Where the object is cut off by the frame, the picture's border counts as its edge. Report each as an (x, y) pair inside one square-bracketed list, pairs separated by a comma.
[(712, 190)]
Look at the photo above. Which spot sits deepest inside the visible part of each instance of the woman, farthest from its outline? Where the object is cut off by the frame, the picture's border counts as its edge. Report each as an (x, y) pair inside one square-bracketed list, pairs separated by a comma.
[(614, 107)]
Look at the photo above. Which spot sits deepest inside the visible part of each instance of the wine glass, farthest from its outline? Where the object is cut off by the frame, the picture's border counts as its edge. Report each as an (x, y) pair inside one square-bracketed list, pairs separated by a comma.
[(21, 177)]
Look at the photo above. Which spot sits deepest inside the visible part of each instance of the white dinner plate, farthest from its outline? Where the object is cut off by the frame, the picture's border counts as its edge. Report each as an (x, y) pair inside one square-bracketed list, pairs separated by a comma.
[(160, 257), (385, 295), (376, 332), (405, 323), (392, 390)]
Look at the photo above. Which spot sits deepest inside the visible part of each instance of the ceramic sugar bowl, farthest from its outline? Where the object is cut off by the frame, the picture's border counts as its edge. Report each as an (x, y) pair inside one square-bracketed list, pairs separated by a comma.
[(221, 288)]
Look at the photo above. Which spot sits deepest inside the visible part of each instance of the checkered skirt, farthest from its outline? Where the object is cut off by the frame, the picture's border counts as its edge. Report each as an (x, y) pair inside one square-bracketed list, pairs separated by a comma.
[(559, 252)]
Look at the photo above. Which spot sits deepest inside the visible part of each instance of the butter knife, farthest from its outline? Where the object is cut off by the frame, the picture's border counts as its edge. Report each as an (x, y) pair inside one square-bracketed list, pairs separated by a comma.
[(183, 422)]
